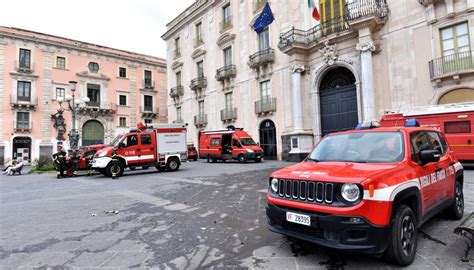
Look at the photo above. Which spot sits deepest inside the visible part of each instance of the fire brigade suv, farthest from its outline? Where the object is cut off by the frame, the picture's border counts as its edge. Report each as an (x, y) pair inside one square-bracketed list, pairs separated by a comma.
[(368, 190), (159, 145)]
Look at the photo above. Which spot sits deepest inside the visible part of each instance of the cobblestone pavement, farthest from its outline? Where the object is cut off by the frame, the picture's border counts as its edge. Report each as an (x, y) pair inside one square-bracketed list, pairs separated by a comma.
[(203, 216)]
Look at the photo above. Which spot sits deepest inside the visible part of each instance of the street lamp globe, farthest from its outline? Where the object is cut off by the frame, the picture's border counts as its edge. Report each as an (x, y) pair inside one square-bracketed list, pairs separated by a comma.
[(60, 99), (86, 99), (68, 98), (73, 85), (77, 102)]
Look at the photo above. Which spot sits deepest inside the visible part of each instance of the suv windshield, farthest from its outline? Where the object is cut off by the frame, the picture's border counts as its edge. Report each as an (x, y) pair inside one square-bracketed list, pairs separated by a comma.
[(247, 141), (116, 141), (360, 147)]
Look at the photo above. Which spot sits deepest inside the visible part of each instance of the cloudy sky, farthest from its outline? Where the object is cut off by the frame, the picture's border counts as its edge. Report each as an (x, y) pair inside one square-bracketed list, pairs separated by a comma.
[(132, 25)]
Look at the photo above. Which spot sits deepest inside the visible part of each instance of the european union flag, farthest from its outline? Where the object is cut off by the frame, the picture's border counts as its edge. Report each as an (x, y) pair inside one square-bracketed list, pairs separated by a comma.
[(265, 19)]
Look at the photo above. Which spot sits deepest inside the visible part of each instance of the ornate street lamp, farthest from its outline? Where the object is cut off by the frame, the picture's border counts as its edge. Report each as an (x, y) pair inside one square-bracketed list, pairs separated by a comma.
[(73, 107)]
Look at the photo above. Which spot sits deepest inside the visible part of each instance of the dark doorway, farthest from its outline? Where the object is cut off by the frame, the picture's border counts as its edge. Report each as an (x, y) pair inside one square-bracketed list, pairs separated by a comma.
[(268, 139), (22, 149), (338, 99), (92, 133)]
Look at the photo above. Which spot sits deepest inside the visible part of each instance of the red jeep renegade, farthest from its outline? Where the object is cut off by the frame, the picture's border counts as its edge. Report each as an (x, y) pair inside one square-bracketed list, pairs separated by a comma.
[(368, 191)]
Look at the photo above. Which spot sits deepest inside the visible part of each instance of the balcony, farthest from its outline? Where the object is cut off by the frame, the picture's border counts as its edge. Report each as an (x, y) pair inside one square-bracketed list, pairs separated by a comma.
[(267, 105), (24, 67), (358, 13), (226, 24), (198, 83), (24, 103), (178, 121), (200, 120), (258, 5), (228, 115), (148, 111), (177, 53), (148, 84), (452, 65), (177, 91), (198, 41), (95, 109), (22, 126), (261, 58), (226, 72)]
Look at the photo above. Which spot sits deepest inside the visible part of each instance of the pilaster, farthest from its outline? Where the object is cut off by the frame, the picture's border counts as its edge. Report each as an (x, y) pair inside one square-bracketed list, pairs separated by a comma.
[(133, 95), (46, 96), (297, 102), (2, 89), (366, 47)]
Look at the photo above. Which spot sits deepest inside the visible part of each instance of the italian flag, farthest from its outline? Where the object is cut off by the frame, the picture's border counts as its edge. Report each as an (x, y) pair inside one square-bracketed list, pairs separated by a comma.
[(314, 10)]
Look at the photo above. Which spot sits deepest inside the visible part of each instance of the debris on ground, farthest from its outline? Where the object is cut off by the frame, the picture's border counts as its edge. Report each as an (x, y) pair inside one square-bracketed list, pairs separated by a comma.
[(111, 212)]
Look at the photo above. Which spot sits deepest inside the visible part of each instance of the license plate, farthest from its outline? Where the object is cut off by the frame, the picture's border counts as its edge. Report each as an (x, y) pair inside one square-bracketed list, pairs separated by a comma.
[(298, 218)]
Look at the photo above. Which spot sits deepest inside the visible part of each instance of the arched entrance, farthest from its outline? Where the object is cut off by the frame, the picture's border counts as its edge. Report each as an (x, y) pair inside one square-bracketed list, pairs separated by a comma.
[(92, 133), (268, 139), (22, 149), (457, 96), (338, 101)]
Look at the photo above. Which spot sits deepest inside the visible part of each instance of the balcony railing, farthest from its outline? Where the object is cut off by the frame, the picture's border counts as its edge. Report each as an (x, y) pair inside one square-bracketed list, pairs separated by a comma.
[(364, 8), (22, 125), (452, 64), (177, 91), (177, 53), (258, 4), (226, 24), (261, 58), (200, 120), (198, 83), (148, 109), (229, 114), (265, 105), (178, 121), (97, 107), (24, 67), (226, 72), (148, 84), (198, 41), (30, 102)]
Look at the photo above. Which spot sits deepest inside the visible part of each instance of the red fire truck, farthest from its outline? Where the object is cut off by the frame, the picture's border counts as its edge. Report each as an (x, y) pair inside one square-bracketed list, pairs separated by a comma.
[(228, 144), (159, 145), (456, 121), (368, 190)]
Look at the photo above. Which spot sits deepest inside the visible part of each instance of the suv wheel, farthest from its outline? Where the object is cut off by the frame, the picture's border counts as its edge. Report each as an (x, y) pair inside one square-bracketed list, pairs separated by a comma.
[(173, 164), (456, 210), (114, 167), (242, 158), (401, 248)]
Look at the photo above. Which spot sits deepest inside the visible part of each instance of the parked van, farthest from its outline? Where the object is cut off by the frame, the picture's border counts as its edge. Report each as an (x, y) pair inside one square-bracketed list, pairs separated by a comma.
[(228, 144), (456, 121)]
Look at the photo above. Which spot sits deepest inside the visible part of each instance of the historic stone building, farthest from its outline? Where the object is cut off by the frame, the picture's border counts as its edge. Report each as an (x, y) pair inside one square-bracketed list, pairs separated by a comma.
[(301, 79), (123, 88)]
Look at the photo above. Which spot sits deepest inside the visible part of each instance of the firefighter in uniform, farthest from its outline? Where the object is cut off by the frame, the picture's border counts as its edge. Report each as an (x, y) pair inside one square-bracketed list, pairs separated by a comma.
[(60, 162), (75, 163), (114, 159), (89, 155)]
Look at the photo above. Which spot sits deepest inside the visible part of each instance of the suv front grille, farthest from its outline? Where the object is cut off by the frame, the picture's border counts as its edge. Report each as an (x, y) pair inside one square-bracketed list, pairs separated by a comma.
[(306, 191)]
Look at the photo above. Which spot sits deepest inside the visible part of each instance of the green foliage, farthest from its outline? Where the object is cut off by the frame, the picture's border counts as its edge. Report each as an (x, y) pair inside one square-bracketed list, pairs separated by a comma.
[(44, 164)]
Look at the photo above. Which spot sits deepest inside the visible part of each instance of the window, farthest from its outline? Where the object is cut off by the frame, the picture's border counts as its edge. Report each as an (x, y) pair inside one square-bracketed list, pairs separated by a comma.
[(122, 121), (457, 127), (23, 120), (148, 102), (122, 100), (236, 143), (25, 58), (177, 48), (294, 142), (178, 78), (93, 93), (228, 56), (201, 107), (146, 139), (93, 67), (122, 72), (148, 121), (265, 90), (200, 69), (132, 140), (148, 81), (227, 17), (215, 141), (424, 141), (61, 62), (178, 113), (60, 93), (264, 40), (24, 91), (455, 39), (199, 39), (228, 101)]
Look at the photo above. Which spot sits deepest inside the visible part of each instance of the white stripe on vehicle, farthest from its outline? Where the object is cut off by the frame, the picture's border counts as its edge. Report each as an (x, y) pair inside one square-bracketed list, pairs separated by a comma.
[(458, 166), (388, 194)]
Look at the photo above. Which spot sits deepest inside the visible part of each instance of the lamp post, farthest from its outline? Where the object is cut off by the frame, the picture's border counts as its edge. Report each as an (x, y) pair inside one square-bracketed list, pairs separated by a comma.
[(73, 107)]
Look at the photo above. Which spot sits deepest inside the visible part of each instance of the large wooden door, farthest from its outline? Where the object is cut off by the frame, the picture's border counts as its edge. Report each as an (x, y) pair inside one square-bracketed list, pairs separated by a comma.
[(92, 133), (268, 139)]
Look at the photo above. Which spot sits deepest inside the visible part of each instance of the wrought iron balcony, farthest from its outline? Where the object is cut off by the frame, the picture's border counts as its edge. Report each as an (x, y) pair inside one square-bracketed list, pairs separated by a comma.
[(226, 72), (229, 114), (226, 24), (452, 65), (22, 126), (20, 102), (200, 120), (198, 83), (261, 58), (24, 67), (266, 105), (148, 111), (356, 12), (97, 108), (177, 91)]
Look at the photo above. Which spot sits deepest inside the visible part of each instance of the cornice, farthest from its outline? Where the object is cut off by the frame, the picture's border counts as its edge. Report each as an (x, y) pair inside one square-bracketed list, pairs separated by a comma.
[(198, 53), (225, 39)]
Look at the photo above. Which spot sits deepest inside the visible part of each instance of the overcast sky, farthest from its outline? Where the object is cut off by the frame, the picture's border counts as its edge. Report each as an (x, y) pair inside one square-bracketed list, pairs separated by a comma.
[(132, 25)]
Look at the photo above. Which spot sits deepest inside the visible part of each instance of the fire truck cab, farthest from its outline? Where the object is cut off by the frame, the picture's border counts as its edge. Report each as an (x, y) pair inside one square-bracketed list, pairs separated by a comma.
[(228, 144), (368, 190), (159, 145)]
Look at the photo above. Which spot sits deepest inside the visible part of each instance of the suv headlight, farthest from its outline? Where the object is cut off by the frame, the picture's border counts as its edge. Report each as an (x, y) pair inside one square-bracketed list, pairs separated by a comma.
[(350, 192), (274, 185)]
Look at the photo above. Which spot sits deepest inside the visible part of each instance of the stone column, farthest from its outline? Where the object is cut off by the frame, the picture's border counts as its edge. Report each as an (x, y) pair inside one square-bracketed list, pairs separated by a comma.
[(2, 91), (368, 94), (45, 145), (297, 102)]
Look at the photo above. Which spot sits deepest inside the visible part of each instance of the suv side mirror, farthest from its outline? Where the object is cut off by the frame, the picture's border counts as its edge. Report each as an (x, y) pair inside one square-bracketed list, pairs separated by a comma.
[(122, 145), (428, 156)]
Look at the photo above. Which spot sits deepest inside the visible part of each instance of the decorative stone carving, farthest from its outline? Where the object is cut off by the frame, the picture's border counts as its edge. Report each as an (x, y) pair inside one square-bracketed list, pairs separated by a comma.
[(59, 124), (366, 46), (198, 53), (298, 68), (426, 3), (329, 53), (225, 39), (176, 65)]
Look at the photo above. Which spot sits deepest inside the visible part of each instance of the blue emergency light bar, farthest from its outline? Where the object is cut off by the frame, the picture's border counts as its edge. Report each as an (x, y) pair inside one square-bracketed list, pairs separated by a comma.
[(367, 125), (412, 122)]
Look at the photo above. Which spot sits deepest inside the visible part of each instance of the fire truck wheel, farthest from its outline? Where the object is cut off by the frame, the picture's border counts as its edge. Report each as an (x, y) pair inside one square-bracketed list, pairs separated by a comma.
[(456, 210), (401, 249), (242, 159), (145, 167), (160, 169), (132, 168), (258, 160), (173, 164), (114, 167), (195, 159)]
